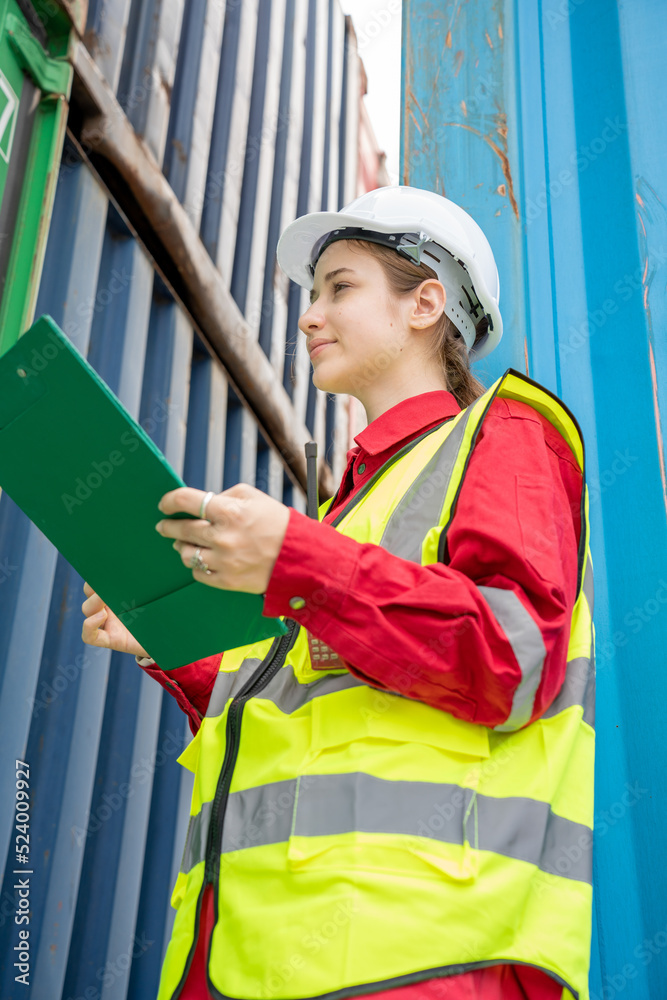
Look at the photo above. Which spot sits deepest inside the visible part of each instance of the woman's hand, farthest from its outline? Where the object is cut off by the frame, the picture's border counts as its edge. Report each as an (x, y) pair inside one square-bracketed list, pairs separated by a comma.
[(239, 541), (103, 628)]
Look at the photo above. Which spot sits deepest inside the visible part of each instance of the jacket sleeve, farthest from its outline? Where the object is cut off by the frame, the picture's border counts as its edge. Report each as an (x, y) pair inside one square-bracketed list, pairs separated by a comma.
[(190, 685), (483, 636)]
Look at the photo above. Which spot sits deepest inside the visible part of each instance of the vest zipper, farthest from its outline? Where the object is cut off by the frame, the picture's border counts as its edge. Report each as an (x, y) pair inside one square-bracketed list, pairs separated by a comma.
[(266, 671)]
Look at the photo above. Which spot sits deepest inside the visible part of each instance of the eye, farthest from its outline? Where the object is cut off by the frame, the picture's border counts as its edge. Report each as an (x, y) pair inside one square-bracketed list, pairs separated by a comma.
[(338, 286)]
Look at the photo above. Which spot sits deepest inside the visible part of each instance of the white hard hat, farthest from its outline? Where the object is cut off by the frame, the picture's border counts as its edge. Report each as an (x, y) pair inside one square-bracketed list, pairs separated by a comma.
[(426, 228)]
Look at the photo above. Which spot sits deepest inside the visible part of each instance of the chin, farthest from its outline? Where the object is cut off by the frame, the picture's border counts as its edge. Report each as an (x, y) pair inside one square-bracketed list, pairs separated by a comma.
[(329, 381)]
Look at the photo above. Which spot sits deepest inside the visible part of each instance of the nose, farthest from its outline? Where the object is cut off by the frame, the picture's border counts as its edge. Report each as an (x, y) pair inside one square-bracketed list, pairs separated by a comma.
[(312, 319)]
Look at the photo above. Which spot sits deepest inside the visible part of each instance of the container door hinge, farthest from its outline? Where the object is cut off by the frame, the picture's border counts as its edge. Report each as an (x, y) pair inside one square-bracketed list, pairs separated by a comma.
[(52, 76)]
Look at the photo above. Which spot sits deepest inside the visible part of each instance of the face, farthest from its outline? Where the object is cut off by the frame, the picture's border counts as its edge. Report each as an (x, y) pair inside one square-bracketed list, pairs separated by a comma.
[(356, 327)]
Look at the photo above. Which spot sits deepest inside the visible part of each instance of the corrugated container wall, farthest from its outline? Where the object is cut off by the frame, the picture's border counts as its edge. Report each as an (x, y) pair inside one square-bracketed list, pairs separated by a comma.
[(543, 119), (196, 132)]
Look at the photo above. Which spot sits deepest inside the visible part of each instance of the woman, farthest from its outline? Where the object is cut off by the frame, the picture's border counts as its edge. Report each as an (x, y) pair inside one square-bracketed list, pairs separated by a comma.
[(396, 797)]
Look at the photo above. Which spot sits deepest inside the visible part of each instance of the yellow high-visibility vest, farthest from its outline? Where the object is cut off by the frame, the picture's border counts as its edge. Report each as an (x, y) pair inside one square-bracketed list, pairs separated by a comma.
[(357, 838)]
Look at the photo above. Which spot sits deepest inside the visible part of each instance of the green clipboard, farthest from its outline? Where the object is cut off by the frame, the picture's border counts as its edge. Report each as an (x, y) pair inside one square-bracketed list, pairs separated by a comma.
[(87, 474)]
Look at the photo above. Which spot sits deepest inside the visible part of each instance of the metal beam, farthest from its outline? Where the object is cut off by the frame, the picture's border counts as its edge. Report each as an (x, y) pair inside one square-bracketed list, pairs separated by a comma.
[(107, 136)]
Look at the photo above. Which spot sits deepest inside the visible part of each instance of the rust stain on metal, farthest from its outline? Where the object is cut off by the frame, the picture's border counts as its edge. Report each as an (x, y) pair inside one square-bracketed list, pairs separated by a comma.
[(464, 109), (488, 38), (421, 111), (645, 270), (500, 31), (416, 122), (498, 212), (658, 424), (639, 199), (448, 39), (502, 156), (411, 99), (181, 151), (525, 353), (502, 190), (405, 166), (458, 61)]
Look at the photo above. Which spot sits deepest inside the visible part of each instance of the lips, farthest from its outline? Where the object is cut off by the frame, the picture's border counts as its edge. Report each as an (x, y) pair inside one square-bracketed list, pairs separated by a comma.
[(316, 346)]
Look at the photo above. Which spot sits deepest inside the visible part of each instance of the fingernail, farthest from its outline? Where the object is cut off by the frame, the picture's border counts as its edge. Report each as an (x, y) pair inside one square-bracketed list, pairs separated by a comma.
[(158, 527)]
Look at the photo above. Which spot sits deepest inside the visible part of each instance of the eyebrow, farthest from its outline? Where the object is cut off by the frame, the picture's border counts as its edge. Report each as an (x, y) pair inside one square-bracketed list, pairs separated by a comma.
[(328, 277)]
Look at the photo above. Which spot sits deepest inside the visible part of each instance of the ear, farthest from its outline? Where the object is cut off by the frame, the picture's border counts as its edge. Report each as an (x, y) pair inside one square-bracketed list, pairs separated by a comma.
[(427, 304)]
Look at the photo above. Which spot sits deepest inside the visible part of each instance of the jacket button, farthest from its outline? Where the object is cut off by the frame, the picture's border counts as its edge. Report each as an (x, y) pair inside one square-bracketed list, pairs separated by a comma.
[(361, 469), (297, 603)]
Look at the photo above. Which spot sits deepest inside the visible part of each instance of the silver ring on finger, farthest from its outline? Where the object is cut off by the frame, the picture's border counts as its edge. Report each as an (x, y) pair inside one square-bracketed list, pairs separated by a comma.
[(196, 562), (204, 505)]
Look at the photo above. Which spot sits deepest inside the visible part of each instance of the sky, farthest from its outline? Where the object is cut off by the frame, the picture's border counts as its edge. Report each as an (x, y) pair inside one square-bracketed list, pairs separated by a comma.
[(378, 27)]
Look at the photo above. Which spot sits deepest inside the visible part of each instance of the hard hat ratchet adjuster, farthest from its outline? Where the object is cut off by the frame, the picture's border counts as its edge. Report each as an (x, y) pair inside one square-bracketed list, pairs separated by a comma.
[(413, 250)]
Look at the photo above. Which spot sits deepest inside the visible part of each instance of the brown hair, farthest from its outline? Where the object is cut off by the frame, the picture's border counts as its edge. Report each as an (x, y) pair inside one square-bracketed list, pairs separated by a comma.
[(449, 346)]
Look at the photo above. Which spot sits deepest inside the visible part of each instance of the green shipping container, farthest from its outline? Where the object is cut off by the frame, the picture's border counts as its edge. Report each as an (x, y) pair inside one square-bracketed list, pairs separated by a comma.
[(35, 82)]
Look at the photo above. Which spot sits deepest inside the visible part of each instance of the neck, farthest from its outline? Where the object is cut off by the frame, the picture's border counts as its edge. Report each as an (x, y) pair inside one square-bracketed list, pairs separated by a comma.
[(379, 398)]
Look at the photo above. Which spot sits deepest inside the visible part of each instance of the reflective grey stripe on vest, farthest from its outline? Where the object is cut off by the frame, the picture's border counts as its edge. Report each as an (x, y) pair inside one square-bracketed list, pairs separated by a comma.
[(195, 842), (287, 694), (227, 685), (284, 690), (588, 583), (525, 638), (578, 689), (420, 508), (335, 804)]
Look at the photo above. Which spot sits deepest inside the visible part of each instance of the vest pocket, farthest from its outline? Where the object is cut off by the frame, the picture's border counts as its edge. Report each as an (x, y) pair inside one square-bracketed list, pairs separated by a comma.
[(355, 822), (389, 784)]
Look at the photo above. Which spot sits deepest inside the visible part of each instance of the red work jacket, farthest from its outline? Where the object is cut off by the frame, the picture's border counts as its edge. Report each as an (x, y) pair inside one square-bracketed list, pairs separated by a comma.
[(516, 527)]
